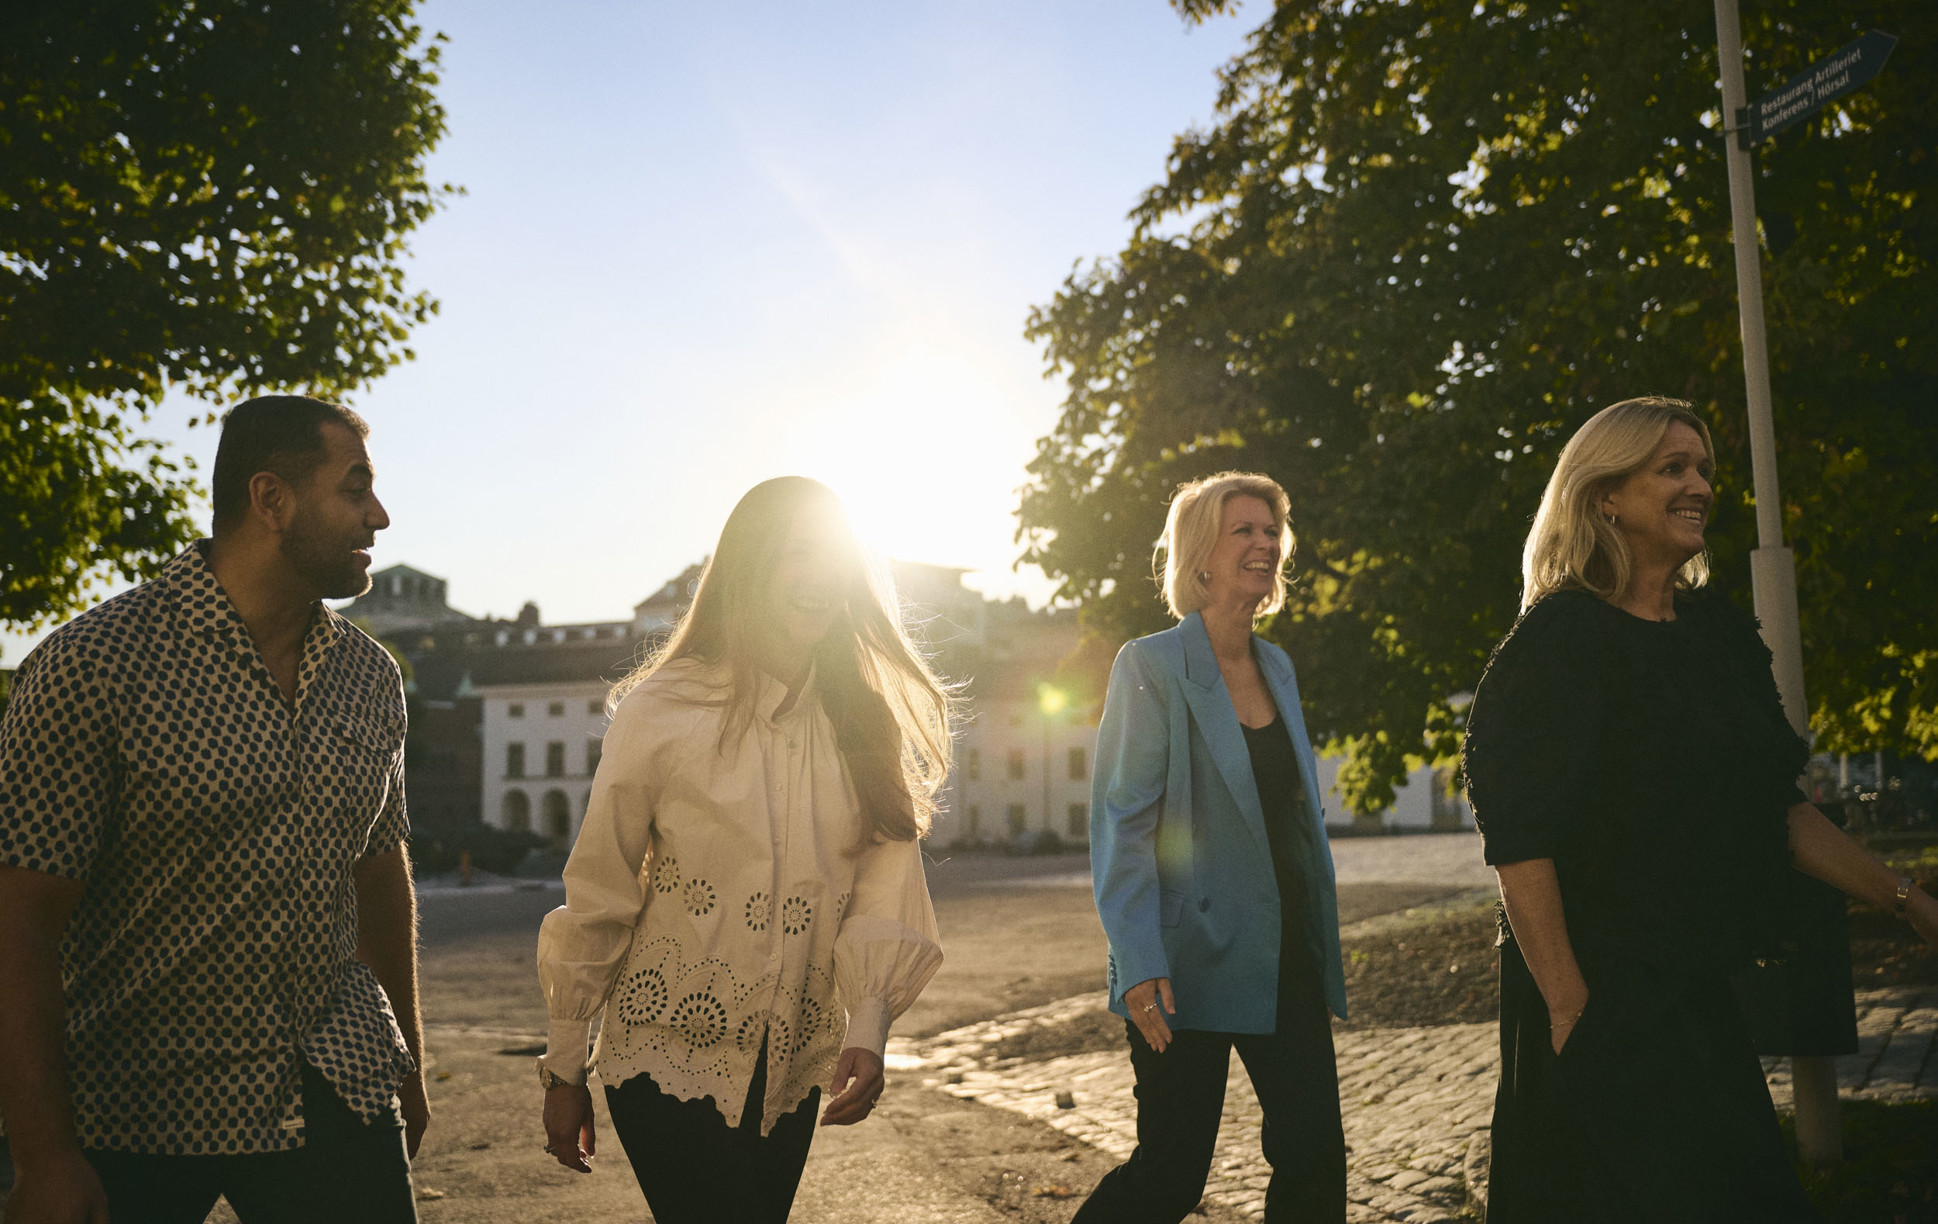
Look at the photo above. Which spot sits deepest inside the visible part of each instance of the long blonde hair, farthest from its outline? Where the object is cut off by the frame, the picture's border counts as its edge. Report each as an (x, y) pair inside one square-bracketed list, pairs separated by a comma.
[(1191, 533), (890, 713), (1571, 544)]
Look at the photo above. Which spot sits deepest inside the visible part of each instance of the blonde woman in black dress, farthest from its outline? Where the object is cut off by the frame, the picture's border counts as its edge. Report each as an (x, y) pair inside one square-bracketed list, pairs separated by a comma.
[(1633, 776)]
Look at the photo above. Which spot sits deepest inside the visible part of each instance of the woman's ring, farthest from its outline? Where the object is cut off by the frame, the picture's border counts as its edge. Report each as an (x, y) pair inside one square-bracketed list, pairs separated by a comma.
[(1150, 1007)]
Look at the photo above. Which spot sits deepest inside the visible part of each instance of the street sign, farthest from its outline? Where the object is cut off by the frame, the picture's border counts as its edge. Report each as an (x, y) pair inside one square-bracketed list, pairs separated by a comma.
[(1825, 81)]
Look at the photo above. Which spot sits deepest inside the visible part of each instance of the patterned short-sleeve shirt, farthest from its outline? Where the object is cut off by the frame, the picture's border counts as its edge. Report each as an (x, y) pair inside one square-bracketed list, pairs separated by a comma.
[(147, 752)]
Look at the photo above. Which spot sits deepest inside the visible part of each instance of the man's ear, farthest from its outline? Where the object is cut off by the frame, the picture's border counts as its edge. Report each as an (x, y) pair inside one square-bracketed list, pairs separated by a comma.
[(272, 502)]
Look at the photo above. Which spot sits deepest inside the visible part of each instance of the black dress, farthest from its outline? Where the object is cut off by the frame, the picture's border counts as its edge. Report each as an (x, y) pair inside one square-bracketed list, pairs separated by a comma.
[(1652, 762)]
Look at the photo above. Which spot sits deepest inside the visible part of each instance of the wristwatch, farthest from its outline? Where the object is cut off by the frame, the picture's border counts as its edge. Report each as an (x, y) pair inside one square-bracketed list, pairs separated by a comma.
[(1905, 885), (550, 1079)]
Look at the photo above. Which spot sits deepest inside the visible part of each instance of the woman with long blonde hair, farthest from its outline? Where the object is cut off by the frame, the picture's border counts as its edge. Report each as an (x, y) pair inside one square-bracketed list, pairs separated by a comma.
[(745, 904), (1634, 779)]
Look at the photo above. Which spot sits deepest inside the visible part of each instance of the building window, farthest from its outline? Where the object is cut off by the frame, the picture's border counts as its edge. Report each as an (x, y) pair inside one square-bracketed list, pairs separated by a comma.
[(1019, 817), (514, 760), (975, 764), (515, 813), (1079, 764), (555, 759), (1078, 822), (558, 819), (515, 710), (556, 709), (1017, 765), (592, 748), (595, 707)]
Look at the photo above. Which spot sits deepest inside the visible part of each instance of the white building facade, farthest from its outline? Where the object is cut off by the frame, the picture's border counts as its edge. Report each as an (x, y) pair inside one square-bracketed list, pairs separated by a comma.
[(1022, 767), (1025, 750), (541, 744)]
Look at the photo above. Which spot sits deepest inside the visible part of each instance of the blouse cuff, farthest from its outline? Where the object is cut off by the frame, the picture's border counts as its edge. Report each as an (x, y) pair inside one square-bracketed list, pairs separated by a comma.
[(565, 1049), (868, 1022)]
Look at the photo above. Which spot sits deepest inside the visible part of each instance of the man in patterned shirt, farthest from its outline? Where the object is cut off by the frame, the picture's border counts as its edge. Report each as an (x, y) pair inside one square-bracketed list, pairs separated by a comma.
[(208, 978)]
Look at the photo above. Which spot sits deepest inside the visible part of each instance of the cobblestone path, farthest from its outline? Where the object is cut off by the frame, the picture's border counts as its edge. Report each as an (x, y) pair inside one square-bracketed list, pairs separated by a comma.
[(1414, 1099)]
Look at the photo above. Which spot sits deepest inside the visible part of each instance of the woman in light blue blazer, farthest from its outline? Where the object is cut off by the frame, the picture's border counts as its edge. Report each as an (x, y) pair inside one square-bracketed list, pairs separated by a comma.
[(1213, 878)]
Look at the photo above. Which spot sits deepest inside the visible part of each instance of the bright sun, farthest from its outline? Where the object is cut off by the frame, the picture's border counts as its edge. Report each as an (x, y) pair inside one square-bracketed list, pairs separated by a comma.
[(915, 458)]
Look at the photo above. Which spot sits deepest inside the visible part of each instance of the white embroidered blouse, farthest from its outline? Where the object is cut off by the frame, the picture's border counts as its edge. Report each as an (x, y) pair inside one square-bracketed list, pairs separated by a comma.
[(715, 902)]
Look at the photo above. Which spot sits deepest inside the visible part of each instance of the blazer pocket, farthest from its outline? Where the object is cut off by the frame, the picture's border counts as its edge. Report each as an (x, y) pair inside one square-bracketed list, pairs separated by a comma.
[(1170, 908)]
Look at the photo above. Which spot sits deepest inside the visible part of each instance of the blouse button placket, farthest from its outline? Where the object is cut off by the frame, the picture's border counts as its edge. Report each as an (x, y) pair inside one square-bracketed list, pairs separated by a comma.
[(780, 872)]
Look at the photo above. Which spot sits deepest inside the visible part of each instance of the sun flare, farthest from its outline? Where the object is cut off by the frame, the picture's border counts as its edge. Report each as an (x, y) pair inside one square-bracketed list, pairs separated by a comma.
[(912, 457)]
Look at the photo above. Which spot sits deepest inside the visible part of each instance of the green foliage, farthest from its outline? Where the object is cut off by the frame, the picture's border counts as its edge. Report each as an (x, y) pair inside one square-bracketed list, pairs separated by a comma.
[(1423, 243), (210, 197)]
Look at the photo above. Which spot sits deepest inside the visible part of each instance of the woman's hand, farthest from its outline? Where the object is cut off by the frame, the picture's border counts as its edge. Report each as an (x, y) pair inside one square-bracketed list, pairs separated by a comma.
[(569, 1136), (857, 1085), (1149, 1002)]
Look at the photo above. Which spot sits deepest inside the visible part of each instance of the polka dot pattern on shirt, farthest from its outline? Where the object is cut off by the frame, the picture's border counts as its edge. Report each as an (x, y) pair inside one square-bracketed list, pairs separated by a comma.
[(147, 751)]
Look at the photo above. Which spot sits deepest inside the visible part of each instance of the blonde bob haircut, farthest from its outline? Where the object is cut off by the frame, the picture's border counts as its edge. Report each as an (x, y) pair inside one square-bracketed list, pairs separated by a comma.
[(1191, 533), (1572, 544), (890, 712)]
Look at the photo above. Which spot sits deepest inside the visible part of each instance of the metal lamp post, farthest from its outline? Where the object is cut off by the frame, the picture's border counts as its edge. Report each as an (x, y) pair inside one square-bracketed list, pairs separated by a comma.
[(1773, 568)]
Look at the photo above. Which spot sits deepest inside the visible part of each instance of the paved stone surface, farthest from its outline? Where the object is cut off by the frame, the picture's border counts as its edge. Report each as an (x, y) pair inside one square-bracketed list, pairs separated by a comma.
[(1414, 1098), (1897, 1049)]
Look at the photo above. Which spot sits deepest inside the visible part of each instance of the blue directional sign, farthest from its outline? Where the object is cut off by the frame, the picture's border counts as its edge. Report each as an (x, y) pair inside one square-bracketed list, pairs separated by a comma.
[(1825, 81)]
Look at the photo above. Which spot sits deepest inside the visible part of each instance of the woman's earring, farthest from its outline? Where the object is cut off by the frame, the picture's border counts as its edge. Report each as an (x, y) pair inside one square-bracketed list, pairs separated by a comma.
[(1204, 575), (1612, 519)]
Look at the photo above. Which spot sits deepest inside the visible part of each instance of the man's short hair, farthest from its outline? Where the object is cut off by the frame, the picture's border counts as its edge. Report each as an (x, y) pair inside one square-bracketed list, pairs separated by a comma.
[(282, 434)]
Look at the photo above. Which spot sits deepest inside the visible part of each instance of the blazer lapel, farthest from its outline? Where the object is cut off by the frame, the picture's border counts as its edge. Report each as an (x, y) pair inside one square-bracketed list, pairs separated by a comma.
[(1211, 708)]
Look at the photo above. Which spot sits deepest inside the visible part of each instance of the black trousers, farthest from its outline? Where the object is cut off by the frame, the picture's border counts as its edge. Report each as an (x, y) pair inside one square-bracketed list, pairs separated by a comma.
[(1181, 1096), (695, 1169), (347, 1169)]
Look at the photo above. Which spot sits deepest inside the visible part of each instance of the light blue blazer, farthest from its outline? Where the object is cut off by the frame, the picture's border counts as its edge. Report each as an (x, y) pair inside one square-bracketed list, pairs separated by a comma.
[(1178, 850)]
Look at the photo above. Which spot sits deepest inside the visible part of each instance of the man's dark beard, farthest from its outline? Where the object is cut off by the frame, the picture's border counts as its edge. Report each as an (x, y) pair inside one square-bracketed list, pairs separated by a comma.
[(325, 564)]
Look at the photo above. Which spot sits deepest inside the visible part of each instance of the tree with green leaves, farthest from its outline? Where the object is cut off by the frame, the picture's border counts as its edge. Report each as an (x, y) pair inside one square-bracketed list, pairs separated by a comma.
[(1424, 241), (210, 197)]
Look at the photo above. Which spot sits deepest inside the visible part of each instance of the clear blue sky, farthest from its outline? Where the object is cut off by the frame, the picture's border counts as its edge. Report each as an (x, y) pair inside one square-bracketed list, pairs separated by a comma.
[(708, 243)]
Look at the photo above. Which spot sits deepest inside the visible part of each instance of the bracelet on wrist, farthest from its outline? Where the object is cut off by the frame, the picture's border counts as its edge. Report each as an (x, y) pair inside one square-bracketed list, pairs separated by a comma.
[(551, 1079)]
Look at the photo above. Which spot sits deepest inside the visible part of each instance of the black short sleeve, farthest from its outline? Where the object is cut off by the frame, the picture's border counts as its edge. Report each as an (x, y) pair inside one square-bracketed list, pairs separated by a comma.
[(1536, 728), (1781, 755)]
